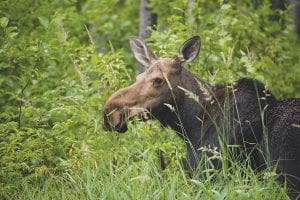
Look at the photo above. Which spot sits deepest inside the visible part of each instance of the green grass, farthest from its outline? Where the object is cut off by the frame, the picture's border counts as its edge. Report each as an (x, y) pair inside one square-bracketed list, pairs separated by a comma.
[(130, 169)]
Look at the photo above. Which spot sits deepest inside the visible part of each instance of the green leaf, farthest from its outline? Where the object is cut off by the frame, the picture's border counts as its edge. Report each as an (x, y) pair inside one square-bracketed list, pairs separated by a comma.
[(44, 21), (94, 60), (3, 22), (12, 35), (225, 7)]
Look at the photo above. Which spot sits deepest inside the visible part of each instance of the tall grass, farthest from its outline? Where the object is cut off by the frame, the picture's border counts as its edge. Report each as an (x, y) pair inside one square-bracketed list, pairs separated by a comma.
[(147, 181), (125, 172)]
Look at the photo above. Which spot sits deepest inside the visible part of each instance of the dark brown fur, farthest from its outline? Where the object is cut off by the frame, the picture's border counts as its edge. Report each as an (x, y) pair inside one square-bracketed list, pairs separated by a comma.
[(284, 141)]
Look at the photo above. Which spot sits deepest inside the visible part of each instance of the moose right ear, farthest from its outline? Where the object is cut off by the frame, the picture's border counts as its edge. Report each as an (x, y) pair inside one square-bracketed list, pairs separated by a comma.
[(141, 52), (190, 49)]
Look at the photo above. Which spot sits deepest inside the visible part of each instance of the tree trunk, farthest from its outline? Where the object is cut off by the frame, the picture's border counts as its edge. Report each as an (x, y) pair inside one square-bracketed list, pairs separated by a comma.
[(278, 4), (295, 11), (190, 17), (147, 19), (296, 14)]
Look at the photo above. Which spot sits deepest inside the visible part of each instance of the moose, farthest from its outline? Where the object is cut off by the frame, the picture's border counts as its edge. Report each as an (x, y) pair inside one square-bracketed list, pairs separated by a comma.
[(208, 115)]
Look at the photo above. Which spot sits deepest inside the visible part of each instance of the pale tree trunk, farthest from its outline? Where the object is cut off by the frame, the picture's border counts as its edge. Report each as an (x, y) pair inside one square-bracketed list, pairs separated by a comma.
[(190, 5), (190, 19), (147, 21)]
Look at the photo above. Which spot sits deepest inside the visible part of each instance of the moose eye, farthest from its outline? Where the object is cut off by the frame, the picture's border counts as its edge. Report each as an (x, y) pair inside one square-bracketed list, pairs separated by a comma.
[(158, 81)]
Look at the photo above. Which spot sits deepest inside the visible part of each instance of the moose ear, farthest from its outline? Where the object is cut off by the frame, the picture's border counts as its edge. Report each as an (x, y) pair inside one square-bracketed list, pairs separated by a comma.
[(141, 52), (190, 49)]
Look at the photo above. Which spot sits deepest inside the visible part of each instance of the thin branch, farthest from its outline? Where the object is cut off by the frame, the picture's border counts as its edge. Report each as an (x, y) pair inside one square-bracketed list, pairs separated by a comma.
[(21, 103), (81, 76), (90, 36)]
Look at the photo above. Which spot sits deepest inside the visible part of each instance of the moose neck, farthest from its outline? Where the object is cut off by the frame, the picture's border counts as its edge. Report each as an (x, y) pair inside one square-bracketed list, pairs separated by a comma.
[(185, 120)]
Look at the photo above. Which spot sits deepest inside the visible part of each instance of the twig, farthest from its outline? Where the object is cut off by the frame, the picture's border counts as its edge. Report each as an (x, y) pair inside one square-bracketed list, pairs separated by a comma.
[(81, 76), (90, 36), (21, 103)]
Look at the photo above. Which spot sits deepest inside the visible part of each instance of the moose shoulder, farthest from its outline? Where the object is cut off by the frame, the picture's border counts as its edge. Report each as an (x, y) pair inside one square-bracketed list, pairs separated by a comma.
[(202, 114)]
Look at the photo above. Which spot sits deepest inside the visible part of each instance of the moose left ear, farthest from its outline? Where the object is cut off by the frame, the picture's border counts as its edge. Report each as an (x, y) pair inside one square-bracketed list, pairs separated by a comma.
[(141, 52), (190, 49)]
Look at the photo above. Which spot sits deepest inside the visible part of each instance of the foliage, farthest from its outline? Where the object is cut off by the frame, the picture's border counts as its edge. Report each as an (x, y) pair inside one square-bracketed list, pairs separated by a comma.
[(238, 40), (59, 62)]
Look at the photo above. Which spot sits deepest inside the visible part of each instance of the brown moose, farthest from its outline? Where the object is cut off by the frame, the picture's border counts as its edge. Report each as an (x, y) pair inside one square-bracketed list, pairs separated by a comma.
[(200, 113)]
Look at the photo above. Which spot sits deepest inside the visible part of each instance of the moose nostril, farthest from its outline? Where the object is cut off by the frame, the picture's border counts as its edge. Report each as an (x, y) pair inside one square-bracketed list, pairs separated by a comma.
[(119, 125), (114, 120)]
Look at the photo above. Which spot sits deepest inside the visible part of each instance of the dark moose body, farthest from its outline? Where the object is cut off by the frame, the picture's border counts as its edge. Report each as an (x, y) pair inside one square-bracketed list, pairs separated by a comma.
[(208, 115)]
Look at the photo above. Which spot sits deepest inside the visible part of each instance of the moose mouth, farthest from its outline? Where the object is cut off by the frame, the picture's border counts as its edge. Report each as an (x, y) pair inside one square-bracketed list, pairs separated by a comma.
[(121, 127), (116, 120)]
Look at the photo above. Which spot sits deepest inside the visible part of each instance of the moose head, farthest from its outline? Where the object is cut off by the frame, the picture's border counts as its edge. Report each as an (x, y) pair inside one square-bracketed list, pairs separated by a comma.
[(153, 89)]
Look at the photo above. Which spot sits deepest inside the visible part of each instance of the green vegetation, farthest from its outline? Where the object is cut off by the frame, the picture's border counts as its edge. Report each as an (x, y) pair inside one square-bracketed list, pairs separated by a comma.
[(59, 62)]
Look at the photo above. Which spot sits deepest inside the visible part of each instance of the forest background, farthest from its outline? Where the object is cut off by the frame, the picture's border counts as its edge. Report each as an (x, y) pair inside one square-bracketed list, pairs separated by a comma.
[(61, 59)]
